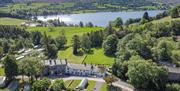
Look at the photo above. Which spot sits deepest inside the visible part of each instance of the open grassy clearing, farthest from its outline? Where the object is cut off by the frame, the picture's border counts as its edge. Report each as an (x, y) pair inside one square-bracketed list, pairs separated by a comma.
[(103, 87), (96, 57), (67, 54), (74, 83), (2, 72), (69, 31), (91, 85), (10, 21)]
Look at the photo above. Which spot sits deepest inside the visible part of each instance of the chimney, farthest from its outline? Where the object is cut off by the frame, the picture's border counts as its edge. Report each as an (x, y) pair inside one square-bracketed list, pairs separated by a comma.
[(55, 62), (66, 61), (50, 62)]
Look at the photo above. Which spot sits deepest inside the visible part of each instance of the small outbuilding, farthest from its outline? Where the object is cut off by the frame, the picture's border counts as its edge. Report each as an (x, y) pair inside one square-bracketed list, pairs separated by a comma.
[(2, 81), (82, 84)]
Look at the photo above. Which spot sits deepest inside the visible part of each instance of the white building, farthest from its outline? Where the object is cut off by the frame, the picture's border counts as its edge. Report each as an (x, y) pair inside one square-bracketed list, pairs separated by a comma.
[(82, 84), (85, 70), (62, 67), (2, 81)]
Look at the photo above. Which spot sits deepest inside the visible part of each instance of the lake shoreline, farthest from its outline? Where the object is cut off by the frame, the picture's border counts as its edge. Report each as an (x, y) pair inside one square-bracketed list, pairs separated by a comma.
[(98, 18)]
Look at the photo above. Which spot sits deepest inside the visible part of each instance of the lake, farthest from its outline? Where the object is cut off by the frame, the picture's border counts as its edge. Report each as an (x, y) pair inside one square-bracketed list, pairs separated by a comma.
[(99, 18)]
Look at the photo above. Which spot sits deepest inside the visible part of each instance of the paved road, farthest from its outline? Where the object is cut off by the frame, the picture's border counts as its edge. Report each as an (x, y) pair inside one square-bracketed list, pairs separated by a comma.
[(125, 86)]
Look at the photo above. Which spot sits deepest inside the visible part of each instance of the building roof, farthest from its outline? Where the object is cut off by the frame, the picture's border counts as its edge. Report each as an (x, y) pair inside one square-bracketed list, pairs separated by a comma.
[(2, 80), (86, 67), (82, 84), (54, 62), (174, 70), (20, 57)]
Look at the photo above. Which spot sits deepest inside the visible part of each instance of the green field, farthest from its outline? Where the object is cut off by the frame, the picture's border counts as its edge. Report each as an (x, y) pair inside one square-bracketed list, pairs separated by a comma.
[(104, 87), (2, 72), (67, 54), (97, 57), (73, 83), (91, 85), (10, 21), (69, 31)]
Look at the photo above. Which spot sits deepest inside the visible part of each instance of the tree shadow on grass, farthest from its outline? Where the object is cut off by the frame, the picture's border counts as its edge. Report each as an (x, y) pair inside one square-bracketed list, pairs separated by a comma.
[(80, 53), (64, 48)]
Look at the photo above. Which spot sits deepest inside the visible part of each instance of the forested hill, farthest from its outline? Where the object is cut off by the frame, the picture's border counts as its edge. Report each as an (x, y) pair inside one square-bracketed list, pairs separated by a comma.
[(131, 1)]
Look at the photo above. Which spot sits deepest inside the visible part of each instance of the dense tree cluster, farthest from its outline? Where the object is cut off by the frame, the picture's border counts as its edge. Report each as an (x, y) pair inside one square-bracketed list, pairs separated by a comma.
[(156, 42)]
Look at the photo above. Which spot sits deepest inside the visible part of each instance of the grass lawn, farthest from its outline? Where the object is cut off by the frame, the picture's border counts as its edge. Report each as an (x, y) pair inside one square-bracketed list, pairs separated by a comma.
[(69, 31), (67, 54), (67, 83), (10, 21), (97, 57), (2, 72), (74, 84), (103, 87), (4, 90), (91, 85)]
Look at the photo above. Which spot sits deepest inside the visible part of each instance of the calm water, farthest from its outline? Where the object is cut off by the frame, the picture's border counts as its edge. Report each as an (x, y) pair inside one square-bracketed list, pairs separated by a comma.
[(100, 18)]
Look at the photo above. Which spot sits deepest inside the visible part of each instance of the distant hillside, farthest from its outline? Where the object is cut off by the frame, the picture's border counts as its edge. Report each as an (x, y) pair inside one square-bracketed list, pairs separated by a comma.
[(53, 0)]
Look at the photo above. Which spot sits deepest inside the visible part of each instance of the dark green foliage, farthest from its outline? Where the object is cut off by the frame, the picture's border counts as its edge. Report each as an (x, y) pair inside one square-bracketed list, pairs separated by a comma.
[(120, 69), (76, 44), (81, 24), (175, 27), (31, 67), (61, 40), (96, 38), (163, 51), (110, 45), (51, 51), (146, 75), (174, 12), (131, 21), (173, 87), (58, 85), (118, 22), (146, 16), (108, 31), (41, 85), (10, 67), (36, 38), (12, 32), (85, 43)]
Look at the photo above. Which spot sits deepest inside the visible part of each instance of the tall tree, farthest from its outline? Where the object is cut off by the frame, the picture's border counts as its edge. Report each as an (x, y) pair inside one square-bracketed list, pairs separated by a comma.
[(58, 85), (85, 43), (81, 24), (147, 75), (61, 40), (110, 45), (52, 51), (10, 67), (6, 47), (30, 66), (76, 44), (174, 12), (36, 38), (41, 85), (146, 16), (118, 22)]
